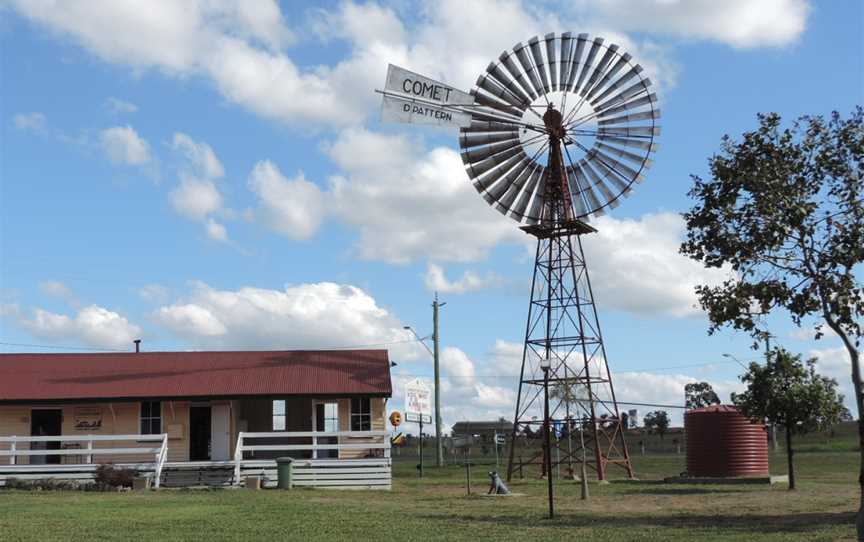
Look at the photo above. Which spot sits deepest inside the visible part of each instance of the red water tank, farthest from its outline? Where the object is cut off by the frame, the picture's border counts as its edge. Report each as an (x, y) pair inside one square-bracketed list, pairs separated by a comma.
[(723, 442)]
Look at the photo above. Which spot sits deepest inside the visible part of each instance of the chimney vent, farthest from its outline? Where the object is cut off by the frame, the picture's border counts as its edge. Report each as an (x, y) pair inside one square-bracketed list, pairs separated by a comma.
[(137, 345)]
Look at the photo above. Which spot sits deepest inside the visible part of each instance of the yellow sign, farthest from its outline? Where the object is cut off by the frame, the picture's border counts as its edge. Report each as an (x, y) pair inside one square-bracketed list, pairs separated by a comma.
[(395, 418)]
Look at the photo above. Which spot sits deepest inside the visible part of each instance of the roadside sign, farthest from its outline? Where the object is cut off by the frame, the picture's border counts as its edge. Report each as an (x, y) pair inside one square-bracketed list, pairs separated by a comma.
[(418, 399), (395, 418), (417, 418), (500, 439)]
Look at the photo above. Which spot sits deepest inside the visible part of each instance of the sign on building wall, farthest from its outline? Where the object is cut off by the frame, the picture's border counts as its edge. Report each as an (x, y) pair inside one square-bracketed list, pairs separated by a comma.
[(87, 419)]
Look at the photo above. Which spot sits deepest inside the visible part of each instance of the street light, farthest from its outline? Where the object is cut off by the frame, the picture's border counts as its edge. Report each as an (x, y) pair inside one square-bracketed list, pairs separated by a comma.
[(420, 339), (545, 365), (730, 356)]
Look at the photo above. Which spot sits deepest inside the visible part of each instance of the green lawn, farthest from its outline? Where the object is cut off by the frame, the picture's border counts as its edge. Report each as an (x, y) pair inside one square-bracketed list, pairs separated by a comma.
[(437, 508)]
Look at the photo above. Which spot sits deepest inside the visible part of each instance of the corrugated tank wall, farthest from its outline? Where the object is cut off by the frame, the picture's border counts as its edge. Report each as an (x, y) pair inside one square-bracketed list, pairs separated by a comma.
[(723, 442)]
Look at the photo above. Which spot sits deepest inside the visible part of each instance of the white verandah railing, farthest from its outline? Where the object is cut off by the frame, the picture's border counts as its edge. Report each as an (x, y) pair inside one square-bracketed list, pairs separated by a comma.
[(80, 469), (370, 469)]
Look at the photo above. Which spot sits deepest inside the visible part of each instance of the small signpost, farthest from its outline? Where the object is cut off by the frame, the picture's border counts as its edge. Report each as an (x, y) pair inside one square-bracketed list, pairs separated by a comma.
[(418, 408)]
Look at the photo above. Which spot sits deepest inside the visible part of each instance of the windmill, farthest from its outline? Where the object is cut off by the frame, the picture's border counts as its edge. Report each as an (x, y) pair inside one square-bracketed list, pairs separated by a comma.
[(553, 134)]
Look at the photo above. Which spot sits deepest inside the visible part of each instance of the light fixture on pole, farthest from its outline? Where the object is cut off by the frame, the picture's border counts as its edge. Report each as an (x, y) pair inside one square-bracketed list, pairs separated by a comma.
[(545, 365)]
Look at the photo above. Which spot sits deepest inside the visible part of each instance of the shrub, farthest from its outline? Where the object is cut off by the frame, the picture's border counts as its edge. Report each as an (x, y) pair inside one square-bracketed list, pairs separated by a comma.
[(110, 477)]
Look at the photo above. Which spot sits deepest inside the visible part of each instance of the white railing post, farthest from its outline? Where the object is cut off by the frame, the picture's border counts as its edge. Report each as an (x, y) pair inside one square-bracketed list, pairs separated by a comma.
[(315, 445), (89, 456), (13, 450), (238, 458), (161, 456)]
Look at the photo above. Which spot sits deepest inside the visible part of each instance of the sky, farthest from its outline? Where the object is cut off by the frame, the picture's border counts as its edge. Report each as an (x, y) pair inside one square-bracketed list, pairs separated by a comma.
[(213, 174)]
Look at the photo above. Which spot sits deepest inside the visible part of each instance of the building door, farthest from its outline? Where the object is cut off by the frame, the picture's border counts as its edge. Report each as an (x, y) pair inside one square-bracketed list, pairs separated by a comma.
[(199, 433), (327, 420), (220, 429), (45, 422)]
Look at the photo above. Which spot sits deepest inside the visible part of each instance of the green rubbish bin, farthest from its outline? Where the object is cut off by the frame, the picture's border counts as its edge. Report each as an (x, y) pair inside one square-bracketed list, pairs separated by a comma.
[(284, 470)]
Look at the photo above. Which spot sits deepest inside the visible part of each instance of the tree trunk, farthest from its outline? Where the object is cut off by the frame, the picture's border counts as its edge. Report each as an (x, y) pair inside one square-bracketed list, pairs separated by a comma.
[(854, 357), (789, 454)]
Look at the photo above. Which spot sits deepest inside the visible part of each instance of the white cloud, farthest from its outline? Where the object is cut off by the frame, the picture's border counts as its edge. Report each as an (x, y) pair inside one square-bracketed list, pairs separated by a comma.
[(739, 23), (407, 203), (30, 122), (216, 231), (437, 281), (117, 106), (93, 325), (292, 207), (123, 145), (196, 198), (636, 266), (319, 315), (154, 293), (835, 363), (200, 156), (237, 47), (55, 288)]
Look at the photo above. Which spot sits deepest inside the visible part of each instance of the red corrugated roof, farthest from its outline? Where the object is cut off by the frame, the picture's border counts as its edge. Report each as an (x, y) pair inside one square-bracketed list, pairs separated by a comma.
[(51, 377)]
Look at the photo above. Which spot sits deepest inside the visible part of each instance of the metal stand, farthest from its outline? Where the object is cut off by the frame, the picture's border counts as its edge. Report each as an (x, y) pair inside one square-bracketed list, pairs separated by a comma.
[(563, 328)]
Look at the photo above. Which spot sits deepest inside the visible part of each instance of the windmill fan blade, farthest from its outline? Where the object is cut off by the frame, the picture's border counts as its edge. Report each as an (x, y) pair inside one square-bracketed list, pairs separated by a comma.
[(600, 69), (619, 65), (594, 203), (508, 169), (581, 40), (633, 117), (490, 101), (566, 54), (507, 199), (637, 143), (530, 70), (624, 95), (483, 138), (493, 88), (518, 210), (630, 131), (508, 63), (539, 201), (550, 57), (539, 63), (621, 182), (579, 207), (648, 99), (500, 77), (586, 66), (633, 157), (489, 126), (475, 169), (624, 170), (619, 83), (481, 153)]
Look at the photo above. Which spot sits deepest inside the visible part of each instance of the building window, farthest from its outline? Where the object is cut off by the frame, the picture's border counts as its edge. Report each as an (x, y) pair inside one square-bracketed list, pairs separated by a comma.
[(331, 418), (279, 415), (361, 414), (151, 417)]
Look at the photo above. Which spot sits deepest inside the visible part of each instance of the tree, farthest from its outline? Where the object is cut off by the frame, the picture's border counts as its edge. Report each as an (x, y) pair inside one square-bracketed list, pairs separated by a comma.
[(699, 394), (784, 210), (786, 392), (657, 421)]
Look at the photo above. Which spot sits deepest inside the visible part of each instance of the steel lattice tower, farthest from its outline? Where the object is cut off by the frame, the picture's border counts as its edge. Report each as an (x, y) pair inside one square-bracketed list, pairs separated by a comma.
[(563, 327)]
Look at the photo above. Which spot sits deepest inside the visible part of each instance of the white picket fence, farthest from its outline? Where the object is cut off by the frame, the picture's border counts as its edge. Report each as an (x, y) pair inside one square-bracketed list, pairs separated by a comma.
[(373, 471), (84, 451)]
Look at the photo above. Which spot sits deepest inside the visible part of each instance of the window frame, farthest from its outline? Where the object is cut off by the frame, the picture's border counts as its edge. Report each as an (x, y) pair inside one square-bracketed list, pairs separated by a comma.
[(150, 418), (283, 415), (361, 420)]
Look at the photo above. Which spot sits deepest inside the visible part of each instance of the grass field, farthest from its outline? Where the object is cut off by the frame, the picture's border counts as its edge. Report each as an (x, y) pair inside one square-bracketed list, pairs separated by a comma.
[(437, 508)]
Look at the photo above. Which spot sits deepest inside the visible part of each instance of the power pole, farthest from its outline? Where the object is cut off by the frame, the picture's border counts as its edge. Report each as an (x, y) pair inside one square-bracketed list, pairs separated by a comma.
[(439, 446)]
